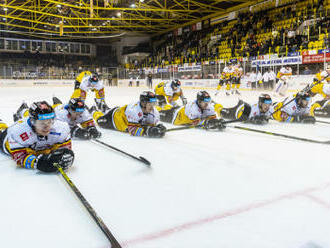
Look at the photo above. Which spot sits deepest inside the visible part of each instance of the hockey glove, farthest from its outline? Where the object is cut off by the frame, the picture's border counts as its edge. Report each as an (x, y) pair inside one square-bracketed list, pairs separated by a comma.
[(155, 132), (306, 119), (162, 127), (214, 124), (259, 120), (64, 157), (93, 132), (77, 132)]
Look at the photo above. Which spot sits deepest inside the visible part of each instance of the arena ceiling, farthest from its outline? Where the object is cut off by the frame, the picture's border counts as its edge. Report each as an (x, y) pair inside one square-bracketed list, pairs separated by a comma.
[(97, 18)]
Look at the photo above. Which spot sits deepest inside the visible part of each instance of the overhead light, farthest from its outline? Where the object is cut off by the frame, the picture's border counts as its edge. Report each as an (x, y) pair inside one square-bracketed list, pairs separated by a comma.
[(119, 14), (90, 25), (104, 23), (112, 18), (94, 29), (133, 5), (5, 9), (4, 18), (141, 1), (59, 6)]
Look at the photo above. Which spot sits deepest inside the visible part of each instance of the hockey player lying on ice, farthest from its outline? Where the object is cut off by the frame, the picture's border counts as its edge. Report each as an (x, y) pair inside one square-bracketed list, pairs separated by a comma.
[(138, 119), (299, 110), (169, 93), (322, 87), (39, 141), (200, 112), (258, 113)]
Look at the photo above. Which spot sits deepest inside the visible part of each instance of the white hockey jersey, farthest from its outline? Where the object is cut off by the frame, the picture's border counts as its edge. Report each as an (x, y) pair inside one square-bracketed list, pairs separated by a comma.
[(134, 114), (284, 72), (87, 85), (169, 90), (255, 111), (23, 144), (192, 112)]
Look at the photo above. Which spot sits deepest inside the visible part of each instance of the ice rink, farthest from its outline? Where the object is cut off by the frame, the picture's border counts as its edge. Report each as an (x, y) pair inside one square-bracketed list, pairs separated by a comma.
[(230, 189)]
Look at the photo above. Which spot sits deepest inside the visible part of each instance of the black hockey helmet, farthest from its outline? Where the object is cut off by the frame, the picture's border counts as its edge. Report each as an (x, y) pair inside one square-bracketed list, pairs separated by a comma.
[(94, 78), (148, 96), (76, 105), (203, 96), (41, 111), (176, 83), (303, 95), (265, 98)]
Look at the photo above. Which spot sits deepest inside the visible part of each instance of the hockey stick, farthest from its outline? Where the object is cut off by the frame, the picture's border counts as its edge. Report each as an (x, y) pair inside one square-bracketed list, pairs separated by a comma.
[(114, 243), (282, 135), (141, 159), (306, 89), (192, 126)]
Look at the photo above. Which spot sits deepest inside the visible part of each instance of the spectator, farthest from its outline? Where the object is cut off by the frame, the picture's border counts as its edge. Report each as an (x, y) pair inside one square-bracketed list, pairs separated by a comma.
[(306, 71)]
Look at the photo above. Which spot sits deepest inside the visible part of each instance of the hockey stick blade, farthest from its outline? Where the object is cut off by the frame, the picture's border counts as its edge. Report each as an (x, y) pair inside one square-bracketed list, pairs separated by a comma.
[(145, 161)]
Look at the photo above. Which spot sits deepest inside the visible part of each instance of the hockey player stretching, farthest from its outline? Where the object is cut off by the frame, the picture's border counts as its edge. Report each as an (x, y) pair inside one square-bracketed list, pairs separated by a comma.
[(298, 110), (138, 119), (200, 112), (169, 93), (258, 113), (90, 82)]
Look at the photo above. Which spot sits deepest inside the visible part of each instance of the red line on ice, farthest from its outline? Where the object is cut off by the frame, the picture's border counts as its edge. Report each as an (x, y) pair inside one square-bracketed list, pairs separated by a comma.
[(233, 212), (318, 200)]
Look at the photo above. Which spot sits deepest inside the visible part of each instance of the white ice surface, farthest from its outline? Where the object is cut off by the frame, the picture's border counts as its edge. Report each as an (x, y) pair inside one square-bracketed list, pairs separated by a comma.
[(230, 189)]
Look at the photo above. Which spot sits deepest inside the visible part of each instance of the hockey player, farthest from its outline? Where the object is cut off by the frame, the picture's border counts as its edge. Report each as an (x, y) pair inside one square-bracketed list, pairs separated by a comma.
[(138, 119), (200, 112), (298, 110), (283, 77), (237, 74), (321, 86), (323, 76), (226, 78), (80, 77), (258, 113), (39, 141), (91, 82), (77, 116), (169, 93)]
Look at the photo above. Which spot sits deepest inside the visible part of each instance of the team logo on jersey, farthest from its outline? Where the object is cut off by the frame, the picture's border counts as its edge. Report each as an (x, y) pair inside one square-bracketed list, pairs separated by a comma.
[(140, 114), (24, 136)]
